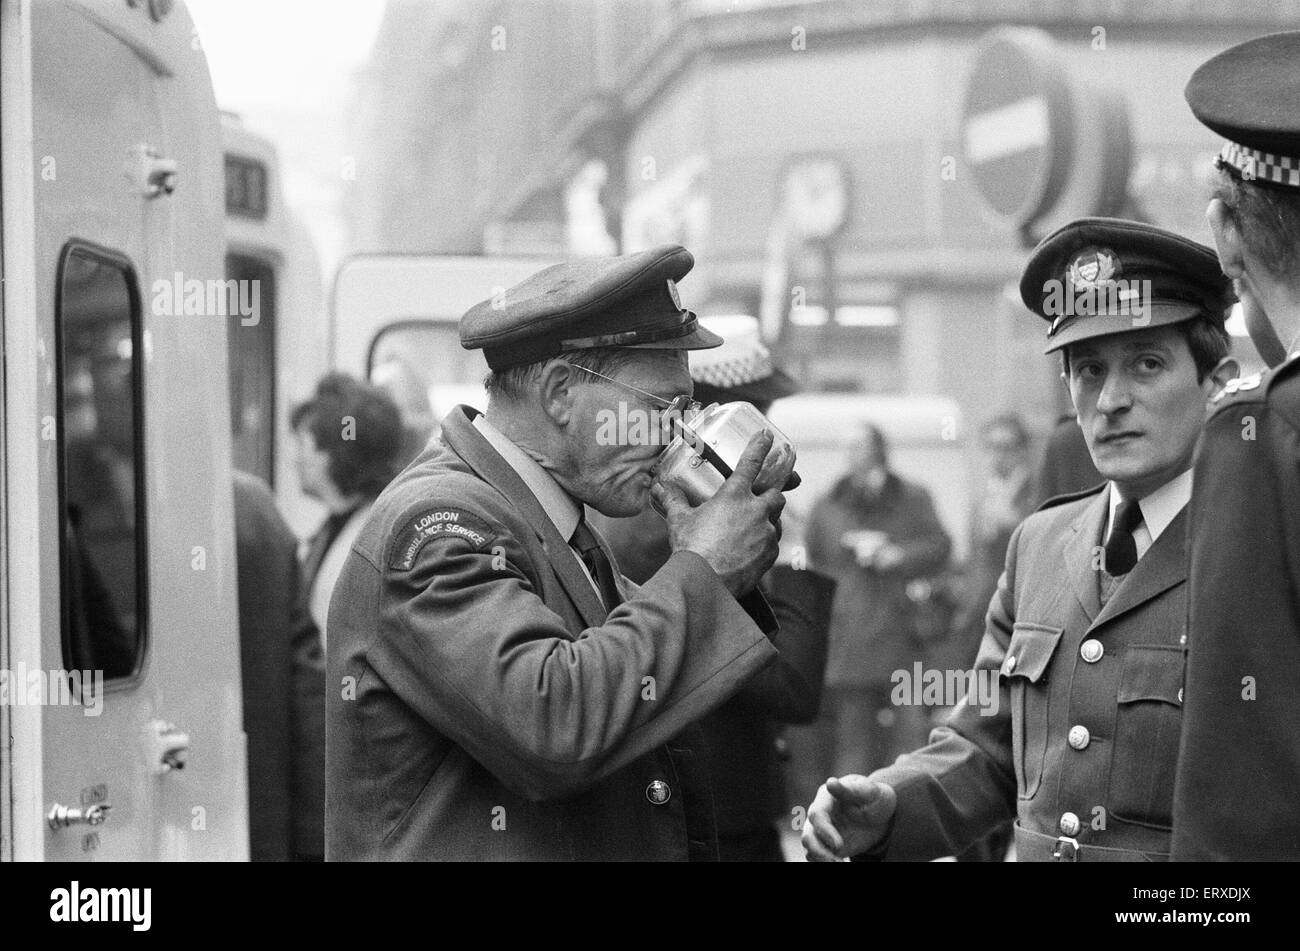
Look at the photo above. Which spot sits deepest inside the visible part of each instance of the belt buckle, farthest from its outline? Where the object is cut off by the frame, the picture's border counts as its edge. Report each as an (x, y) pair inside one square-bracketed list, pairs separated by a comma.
[(1066, 850)]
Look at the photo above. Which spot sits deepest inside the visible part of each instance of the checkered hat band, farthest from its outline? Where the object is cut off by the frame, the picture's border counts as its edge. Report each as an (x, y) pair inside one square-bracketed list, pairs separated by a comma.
[(1253, 164), (737, 371)]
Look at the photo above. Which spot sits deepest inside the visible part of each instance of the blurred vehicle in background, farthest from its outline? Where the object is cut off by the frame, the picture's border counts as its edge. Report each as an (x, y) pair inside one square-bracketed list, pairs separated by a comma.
[(275, 361), (395, 321)]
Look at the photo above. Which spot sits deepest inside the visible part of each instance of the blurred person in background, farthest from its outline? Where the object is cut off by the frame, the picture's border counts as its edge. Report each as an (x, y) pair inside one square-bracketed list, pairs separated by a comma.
[(875, 533), (350, 439), (1066, 466), (736, 754), (1006, 498), (274, 627)]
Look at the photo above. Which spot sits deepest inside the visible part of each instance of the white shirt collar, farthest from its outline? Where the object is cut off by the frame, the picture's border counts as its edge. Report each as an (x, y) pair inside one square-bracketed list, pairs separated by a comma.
[(1159, 508), (558, 504)]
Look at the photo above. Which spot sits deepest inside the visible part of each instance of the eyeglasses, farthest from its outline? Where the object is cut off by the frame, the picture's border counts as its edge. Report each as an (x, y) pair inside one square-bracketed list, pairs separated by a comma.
[(673, 413)]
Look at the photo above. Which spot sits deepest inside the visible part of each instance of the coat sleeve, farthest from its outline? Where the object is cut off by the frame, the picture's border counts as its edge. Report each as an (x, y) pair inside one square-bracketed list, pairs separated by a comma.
[(958, 788), (790, 690), (468, 642), (927, 545)]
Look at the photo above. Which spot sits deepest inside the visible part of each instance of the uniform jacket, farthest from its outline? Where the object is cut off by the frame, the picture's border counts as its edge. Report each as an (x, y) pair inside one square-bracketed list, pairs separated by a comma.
[(482, 704), (871, 621), (978, 771), (1239, 773), (734, 750)]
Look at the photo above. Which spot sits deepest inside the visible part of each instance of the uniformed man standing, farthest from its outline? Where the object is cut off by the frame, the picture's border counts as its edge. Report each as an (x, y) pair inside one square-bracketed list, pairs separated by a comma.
[(1239, 772), (497, 690), (1084, 635)]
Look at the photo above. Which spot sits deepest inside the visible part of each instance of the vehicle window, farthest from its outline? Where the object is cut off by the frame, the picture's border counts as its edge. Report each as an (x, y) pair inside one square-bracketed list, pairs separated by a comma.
[(251, 344), (100, 475), (246, 187), (430, 350)]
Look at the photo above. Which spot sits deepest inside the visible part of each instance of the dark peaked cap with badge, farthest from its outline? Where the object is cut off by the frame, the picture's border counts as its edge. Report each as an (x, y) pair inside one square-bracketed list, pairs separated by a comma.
[(1250, 95), (625, 301), (1102, 261)]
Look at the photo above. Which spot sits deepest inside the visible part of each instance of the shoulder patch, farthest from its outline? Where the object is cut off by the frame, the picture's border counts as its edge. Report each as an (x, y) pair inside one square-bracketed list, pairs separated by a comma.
[(1071, 497), (437, 521)]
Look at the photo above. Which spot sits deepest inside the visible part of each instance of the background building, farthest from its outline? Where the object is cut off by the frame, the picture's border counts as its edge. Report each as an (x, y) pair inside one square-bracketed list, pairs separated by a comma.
[(816, 157)]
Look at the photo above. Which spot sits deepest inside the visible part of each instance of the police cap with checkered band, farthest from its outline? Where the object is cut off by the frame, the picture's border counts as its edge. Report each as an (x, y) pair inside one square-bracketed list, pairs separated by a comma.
[(1249, 94), (740, 369)]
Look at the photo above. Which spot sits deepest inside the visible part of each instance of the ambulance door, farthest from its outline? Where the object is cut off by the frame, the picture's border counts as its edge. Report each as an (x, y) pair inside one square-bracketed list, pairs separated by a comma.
[(133, 514)]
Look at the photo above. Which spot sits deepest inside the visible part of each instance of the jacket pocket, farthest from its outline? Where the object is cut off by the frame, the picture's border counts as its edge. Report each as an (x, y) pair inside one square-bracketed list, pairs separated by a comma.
[(1148, 719), (1025, 668)]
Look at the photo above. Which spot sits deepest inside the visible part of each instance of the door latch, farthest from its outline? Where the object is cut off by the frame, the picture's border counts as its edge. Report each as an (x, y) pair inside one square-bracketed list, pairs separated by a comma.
[(171, 747), (150, 172)]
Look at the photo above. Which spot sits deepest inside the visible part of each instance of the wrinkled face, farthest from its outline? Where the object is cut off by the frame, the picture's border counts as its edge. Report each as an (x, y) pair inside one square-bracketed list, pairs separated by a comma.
[(1139, 405), (311, 463), (616, 436)]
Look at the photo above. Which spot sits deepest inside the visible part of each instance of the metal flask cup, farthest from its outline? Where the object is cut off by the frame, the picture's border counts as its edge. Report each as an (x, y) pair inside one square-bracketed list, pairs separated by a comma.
[(708, 445)]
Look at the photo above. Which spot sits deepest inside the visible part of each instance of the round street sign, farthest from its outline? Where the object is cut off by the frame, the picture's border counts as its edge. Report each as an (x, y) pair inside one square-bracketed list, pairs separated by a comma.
[(1017, 124)]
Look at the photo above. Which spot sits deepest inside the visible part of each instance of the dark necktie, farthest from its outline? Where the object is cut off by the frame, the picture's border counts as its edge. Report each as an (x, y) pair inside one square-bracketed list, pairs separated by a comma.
[(593, 556), (1121, 548)]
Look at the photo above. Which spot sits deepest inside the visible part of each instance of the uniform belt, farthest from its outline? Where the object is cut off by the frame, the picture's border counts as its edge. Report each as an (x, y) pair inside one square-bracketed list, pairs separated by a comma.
[(1037, 847)]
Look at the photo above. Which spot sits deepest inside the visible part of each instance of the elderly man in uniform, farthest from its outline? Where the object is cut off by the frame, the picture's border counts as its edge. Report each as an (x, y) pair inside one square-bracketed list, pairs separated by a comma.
[(1235, 794), (1084, 633), (497, 690)]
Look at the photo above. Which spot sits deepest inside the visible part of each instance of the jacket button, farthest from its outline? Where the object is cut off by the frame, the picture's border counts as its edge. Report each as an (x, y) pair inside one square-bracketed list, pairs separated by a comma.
[(1091, 650), (1069, 824), (658, 792), (1011, 663), (1180, 694), (1079, 737)]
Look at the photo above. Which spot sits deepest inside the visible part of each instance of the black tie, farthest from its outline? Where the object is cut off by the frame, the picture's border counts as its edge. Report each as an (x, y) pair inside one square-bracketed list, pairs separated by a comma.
[(1121, 549), (593, 556)]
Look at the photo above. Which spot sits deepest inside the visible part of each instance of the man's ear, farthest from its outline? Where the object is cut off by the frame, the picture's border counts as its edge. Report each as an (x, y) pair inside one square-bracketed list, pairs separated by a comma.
[(1226, 369), (555, 390), (1227, 238)]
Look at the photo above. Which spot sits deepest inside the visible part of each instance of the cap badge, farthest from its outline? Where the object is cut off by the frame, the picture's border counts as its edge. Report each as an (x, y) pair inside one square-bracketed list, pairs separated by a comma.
[(672, 292), (1093, 268)]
